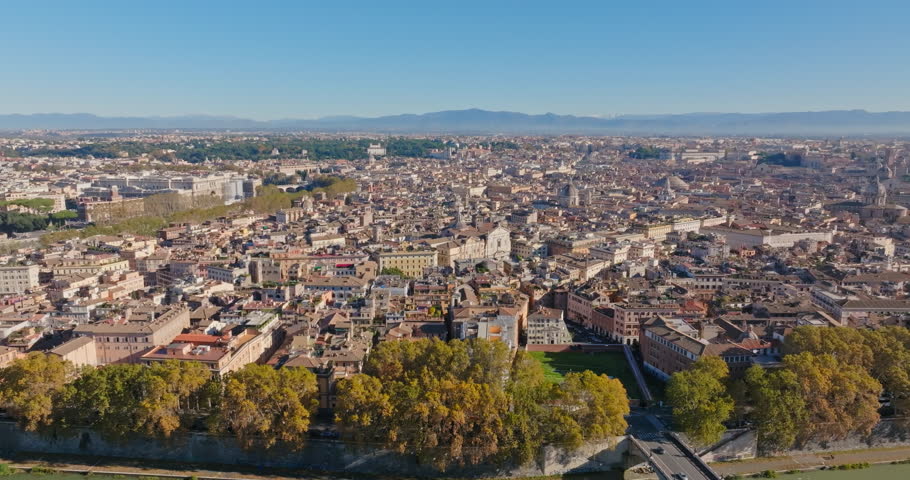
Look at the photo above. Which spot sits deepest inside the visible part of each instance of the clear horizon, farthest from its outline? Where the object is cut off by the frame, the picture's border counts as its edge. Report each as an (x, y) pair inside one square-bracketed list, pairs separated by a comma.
[(292, 60), (242, 117)]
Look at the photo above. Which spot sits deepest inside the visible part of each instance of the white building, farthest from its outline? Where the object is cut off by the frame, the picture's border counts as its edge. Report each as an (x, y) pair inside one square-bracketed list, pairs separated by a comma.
[(776, 239), (547, 327)]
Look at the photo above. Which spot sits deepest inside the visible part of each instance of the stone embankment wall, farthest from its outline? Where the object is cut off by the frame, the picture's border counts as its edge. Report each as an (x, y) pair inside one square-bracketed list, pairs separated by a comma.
[(316, 455), (890, 432), (742, 444)]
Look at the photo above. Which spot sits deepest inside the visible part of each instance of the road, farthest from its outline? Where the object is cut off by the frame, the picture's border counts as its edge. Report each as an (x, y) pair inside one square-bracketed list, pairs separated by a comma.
[(650, 432), (673, 460)]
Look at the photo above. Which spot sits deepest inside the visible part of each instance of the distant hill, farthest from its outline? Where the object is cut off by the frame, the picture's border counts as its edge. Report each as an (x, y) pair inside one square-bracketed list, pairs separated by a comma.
[(835, 122)]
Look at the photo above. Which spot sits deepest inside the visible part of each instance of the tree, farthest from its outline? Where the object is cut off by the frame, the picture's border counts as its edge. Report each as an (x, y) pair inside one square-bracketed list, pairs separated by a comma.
[(700, 401), (278, 178), (63, 215), (529, 420), (596, 403), (30, 385), (779, 411), (645, 152), (392, 271), (264, 406), (363, 409), (884, 353), (466, 402), (841, 398), (171, 388), (447, 422), (124, 399), (844, 343), (890, 365), (475, 360)]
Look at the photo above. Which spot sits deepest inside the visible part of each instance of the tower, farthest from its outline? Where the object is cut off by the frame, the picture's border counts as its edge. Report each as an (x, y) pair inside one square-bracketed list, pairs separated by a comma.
[(459, 215)]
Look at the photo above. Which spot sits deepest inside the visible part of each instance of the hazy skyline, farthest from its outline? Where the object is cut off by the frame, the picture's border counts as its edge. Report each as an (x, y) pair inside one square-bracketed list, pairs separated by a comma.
[(296, 60)]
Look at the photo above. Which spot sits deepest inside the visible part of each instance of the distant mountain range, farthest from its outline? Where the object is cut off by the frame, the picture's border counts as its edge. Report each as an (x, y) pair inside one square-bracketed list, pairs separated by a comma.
[(476, 121)]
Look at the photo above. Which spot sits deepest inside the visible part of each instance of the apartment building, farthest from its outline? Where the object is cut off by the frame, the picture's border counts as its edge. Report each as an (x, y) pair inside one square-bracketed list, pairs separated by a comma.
[(741, 238), (226, 273), (547, 327), (18, 278), (290, 215), (621, 321), (343, 288), (411, 263), (854, 310), (500, 324), (528, 248), (670, 345), (117, 208), (655, 232), (9, 355), (127, 340), (80, 351), (89, 264), (220, 354)]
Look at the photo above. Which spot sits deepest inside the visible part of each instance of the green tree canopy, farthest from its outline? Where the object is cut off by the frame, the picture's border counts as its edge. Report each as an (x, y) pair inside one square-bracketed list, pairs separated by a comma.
[(780, 412), (392, 271), (700, 400)]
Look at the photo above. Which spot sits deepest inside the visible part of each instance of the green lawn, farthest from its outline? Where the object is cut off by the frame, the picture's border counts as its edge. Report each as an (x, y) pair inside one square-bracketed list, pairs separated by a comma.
[(614, 364)]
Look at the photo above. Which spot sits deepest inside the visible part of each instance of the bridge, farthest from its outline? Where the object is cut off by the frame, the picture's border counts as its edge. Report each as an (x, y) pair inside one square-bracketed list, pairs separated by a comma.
[(291, 188), (669, 456)]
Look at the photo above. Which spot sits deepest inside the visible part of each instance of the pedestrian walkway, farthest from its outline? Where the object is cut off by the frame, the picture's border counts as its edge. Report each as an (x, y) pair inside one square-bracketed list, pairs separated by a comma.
[(639, 378)]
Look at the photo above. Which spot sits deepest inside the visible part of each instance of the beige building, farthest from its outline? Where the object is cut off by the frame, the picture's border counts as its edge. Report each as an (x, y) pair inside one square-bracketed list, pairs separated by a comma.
[(411, 264), (290, 215), (460, 249), (326, 240), (105, 211), (126, 341), (79, 351), (88, 265), (655, 232), (18, 279), (218, 356), (8, 355)]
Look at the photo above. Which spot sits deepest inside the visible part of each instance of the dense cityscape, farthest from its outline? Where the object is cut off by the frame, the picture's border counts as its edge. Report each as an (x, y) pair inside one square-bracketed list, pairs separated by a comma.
[(474, 240), (465, 300)]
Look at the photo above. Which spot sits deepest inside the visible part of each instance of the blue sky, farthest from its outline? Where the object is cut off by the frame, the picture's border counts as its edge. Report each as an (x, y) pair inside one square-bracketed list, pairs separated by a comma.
[(305, 59)]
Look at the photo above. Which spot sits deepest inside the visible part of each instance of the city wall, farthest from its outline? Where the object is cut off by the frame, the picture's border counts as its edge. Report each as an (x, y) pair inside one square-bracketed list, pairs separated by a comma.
[(316, 455)]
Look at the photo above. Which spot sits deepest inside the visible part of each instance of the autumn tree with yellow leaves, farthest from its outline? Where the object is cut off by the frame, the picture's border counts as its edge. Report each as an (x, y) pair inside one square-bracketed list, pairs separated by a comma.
[(467, 402)]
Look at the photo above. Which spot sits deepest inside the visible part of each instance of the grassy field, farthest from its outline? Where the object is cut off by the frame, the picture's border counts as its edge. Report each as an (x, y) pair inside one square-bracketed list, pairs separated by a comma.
[(614, 364)]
